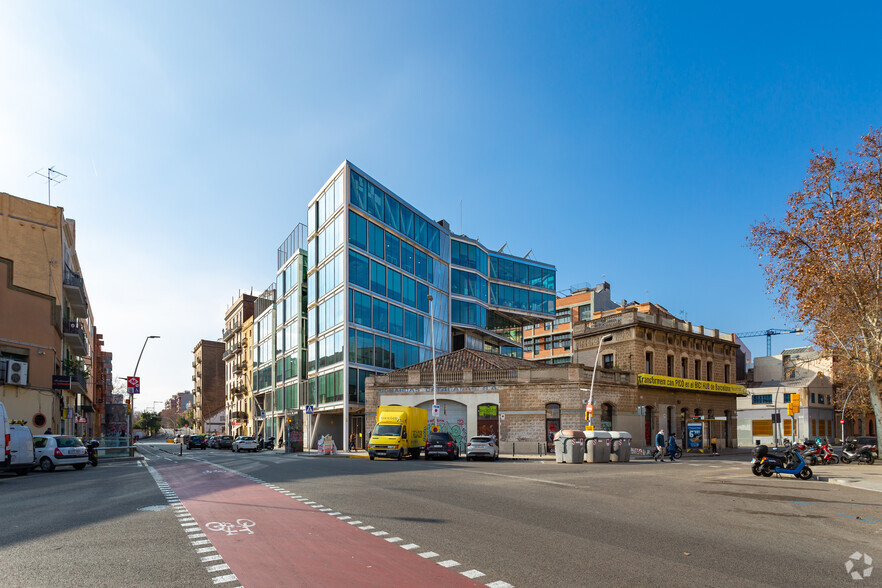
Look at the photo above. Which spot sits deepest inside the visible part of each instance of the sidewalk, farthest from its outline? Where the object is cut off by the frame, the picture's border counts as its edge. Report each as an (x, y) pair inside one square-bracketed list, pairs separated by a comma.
[(861, 476)]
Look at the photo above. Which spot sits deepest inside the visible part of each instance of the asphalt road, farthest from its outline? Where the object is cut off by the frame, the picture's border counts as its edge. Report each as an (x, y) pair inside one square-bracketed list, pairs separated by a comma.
[(696, 522)]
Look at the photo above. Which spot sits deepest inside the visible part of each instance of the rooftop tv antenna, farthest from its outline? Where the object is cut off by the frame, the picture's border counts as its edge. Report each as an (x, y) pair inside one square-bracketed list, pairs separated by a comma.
[(51, 175)]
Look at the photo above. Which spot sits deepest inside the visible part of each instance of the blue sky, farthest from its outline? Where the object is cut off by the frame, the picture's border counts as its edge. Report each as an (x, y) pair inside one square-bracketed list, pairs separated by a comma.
[(634, 143)]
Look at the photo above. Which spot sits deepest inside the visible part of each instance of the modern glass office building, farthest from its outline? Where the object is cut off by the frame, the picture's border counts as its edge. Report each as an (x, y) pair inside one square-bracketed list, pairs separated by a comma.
[(386, 284), (279, 353)]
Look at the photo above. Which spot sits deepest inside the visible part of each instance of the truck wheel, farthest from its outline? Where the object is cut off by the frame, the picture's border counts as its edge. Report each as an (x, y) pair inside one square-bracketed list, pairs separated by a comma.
[(371, 455), (400, 454)]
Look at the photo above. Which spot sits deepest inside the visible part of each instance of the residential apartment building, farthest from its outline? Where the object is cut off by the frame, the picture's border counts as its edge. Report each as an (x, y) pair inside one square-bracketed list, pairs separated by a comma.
[(47, 331), (685, 374), (208, 383), (775, 381), (236, 338), (388, 287), (552, 341), (102, 379)]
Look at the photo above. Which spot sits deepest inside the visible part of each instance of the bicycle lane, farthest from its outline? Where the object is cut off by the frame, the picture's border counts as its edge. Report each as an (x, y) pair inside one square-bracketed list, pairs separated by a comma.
[(292, 543)]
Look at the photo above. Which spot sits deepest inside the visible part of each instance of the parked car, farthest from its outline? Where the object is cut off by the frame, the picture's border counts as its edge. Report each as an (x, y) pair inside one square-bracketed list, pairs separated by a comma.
[(244, 444), (20, 451), (482, 447), (52, 451), (441, 444), (177, 438), (196, 441), (224, 442)]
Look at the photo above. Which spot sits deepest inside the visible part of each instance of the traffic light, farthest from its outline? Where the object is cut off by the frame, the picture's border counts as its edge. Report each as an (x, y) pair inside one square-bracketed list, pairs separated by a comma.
[(589, 411)]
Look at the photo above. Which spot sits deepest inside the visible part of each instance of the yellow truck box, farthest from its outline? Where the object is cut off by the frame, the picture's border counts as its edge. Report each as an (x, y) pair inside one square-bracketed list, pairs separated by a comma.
[(399, 432)]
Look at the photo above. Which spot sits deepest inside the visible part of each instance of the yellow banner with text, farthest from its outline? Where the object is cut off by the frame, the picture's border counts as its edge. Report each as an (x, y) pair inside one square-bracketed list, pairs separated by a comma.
[(686, 384)]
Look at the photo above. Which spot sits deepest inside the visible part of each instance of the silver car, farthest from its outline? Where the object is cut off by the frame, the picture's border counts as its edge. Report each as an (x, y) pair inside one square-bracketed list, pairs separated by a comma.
[(51, 451), (482, 447), (244, 444)]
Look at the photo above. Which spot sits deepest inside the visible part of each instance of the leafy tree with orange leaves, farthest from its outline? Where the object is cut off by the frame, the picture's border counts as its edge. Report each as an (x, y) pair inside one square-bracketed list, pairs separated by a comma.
[(823, 260)]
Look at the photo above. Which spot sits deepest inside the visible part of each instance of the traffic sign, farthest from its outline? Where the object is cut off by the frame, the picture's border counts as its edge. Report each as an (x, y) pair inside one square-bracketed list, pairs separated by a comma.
[(436, 409), (310, 409), (133, 385), (841, 421)]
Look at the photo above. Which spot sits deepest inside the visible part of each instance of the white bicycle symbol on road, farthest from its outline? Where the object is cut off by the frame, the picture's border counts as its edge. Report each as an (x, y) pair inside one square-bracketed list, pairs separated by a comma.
[(240, 526)]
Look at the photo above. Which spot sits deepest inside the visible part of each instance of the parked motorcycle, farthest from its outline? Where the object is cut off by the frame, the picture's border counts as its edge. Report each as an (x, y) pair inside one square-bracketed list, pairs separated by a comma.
[(851, 451), (827, 457), (92, 452), (795, 465), (765, 463)]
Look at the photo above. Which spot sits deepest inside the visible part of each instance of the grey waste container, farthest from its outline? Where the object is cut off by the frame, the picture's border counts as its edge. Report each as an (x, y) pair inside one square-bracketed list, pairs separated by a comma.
[(569, 446), (597, 446), (621, 446)]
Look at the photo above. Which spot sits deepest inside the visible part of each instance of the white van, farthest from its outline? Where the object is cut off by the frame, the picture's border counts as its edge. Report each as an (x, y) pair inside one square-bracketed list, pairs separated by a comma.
[(21, 450), (4, 436)]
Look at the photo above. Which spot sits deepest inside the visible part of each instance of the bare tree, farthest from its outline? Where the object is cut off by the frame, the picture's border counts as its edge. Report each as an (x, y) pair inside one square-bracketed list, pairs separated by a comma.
[(823, 260)]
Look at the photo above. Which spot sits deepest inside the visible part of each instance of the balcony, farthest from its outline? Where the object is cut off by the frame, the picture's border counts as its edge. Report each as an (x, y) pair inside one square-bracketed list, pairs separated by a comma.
[(75, 339), (77, 383), (75, 292), (193, 364), (230, 332), (229, 353)]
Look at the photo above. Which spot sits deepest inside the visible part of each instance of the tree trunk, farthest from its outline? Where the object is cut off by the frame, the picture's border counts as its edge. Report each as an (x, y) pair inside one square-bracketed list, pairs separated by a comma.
[(876, 403)]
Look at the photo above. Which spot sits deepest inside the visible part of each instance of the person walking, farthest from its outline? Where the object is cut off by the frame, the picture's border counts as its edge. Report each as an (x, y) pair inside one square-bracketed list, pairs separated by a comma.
[(672, 447), (659, 454), (352, 442)]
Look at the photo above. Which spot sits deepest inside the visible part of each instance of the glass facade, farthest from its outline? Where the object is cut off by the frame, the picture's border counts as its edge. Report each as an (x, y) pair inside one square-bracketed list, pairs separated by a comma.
[(374, 261)]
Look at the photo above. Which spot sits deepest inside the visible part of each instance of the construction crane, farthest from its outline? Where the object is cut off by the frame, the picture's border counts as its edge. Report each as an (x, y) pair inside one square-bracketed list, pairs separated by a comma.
[(768, 335)]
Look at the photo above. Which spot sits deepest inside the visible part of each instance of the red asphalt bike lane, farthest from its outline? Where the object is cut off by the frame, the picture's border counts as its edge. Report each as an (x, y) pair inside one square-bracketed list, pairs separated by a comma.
[(292, 543)]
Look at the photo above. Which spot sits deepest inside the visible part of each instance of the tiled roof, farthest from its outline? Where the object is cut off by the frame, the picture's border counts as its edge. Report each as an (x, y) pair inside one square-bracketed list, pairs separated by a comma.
[(474, 360)]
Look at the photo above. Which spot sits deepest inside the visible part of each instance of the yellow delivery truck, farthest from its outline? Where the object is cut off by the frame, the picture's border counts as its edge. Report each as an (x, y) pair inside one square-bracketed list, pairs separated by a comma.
[(398, 432)]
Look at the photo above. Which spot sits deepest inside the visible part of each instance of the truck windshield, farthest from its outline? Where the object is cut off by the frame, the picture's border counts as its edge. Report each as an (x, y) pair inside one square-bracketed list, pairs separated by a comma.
[(387, 431)]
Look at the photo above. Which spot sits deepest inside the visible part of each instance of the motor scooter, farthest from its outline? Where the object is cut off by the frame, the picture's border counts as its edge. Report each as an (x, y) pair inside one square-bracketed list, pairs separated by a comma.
[(764, 463), (795, 466), (827, 457), (851, 451), (92, 452)]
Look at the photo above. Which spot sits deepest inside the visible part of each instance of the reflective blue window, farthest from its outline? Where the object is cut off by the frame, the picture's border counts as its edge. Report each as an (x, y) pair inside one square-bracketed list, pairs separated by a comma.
[(420, 263), (398, 355), (358, 191), (392, 212), (468, 284), (376, 241), (513, 297), (359, 270), (393, 255), (393, 284), (434, 240), (412, 326), (421, 229), (413, 355), (469, 313), (378, 278), (422, 294), (408, 291), (396, 320), (360, 308), (406, 257), (358, 230), (365, 350), (352, 346), (382, 352), (406, 226), (381, 315), (522, 273), (468, 255), (376, 202)]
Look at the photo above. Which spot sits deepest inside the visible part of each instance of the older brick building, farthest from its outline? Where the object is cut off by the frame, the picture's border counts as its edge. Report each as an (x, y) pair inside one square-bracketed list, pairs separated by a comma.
[(208, 381), (683, 374)]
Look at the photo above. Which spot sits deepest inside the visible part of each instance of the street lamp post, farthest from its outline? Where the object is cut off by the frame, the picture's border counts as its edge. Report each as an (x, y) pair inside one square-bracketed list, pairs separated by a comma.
[(593, 373), (843, 412), (434, 378), (132, 396)]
